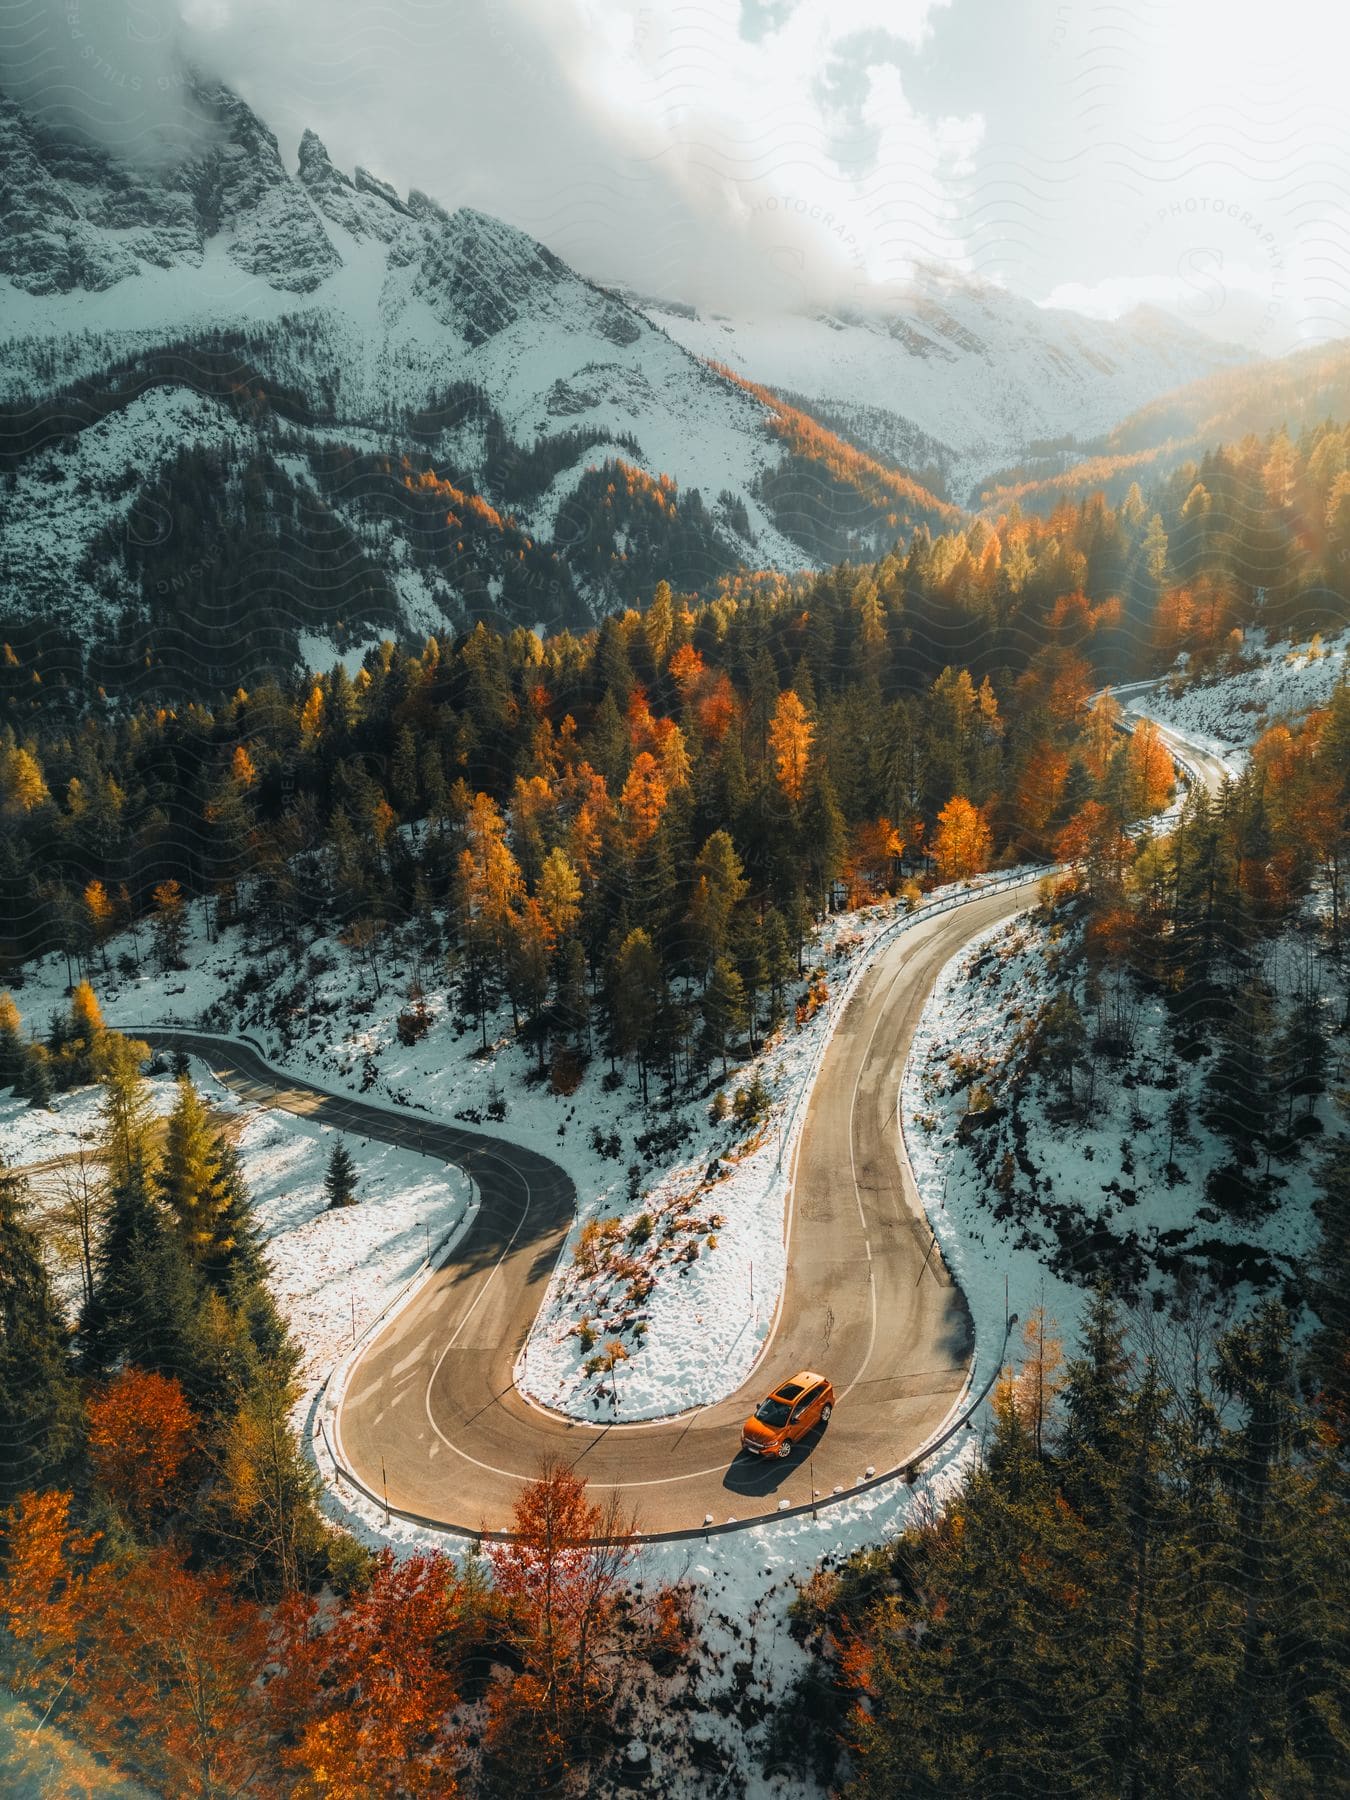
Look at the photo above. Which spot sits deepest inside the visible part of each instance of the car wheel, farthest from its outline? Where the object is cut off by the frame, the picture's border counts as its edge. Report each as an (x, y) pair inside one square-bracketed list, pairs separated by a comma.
[(785, 1448), (825, 1412)]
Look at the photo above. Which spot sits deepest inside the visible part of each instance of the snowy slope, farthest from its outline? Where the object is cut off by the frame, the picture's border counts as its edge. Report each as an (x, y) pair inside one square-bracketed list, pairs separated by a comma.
[(60, 500), (1046, 1202), (1231, 710), (330, 1271), (958, 371)]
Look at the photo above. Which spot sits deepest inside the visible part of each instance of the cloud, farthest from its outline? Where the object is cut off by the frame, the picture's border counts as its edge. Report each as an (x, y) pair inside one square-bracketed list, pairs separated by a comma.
[(781, 154), (763, 158), (112, 71), (1233, 272)]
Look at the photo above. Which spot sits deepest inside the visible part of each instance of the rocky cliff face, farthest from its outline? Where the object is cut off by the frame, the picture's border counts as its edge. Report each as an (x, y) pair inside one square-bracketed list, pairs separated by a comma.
[(73, 218), (230, 350), (366, 207)]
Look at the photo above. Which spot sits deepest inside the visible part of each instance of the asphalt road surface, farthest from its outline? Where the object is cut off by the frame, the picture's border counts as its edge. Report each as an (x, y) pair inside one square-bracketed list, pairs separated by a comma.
[(430, 1414), (430, 1408)]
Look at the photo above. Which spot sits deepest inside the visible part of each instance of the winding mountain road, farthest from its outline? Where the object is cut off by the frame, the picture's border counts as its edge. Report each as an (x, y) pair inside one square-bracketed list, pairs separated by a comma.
[(429, 1414)]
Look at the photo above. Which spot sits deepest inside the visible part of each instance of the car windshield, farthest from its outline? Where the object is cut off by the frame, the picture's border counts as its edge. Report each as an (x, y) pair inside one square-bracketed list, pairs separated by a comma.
[(773, 1412)]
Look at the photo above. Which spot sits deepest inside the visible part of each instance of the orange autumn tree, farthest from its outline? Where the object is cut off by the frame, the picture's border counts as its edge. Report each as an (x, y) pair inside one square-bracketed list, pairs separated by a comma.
[(361, 1698), (311, 717), (869, 867), (141, 1434), (1093, 840), (961, 844), (86, 1015), (717, 709), (170, 1687), (489, 890), (562, 1578), (1042, 1374), (42, 1592), (790, 736), (687, 670), (491, 880), (158, 1668), (101, 914), (1040, 789), (1148, 783), (641, 720), (643, 799), (1100, 734)]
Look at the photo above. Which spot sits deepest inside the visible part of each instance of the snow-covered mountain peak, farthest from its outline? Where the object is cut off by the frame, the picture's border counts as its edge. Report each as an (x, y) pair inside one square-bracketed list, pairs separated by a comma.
[(75, 219), (954, 375), (364, 205)]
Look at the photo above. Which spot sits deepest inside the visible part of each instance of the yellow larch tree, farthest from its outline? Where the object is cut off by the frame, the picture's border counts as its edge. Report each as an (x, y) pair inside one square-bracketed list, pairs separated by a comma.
[(790, 736)]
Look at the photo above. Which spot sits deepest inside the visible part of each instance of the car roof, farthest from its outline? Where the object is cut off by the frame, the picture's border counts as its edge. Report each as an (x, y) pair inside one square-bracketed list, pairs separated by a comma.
[(799, 1382)]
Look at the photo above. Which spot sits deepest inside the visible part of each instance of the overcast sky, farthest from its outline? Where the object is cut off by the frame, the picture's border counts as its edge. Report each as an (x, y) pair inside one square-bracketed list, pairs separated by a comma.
[(760, 154)]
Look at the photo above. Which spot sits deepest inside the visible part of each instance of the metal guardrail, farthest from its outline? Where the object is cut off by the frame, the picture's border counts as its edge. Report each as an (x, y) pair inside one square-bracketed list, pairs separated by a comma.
[(893, 928), (906, 1470)]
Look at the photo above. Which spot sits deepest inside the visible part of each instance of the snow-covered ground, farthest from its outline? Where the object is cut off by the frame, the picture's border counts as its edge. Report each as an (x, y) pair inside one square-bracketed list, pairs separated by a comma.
[(1227, 712), (30, 1135), (1045, 1206), (332, 1271)]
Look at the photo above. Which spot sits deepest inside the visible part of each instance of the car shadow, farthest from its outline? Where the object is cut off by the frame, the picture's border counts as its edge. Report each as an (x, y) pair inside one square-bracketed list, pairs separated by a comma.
[(754, 1476)]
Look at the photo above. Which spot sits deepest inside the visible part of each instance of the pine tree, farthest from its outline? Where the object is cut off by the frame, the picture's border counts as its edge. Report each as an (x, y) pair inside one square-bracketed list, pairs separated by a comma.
[(189, 1180), (1327, 1372), (779, 962), (723, 1009), (125, 1107), (170, 924), (339, 1183), (236, 1257), (37, 1085), (1300, 1058), (146, 1294), (822, 837), (1255, 1370), (265, 1502), (657, 624), (39, 1399), (752, 967), (637, 994), (81, 1038), (719, 885), (1238, 1098), (1062, 1039), (1095, 1397), (574, 1001)]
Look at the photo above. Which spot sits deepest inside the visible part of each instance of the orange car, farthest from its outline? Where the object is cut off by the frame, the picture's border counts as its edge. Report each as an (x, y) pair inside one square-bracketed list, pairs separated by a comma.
[(787, 1415)]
